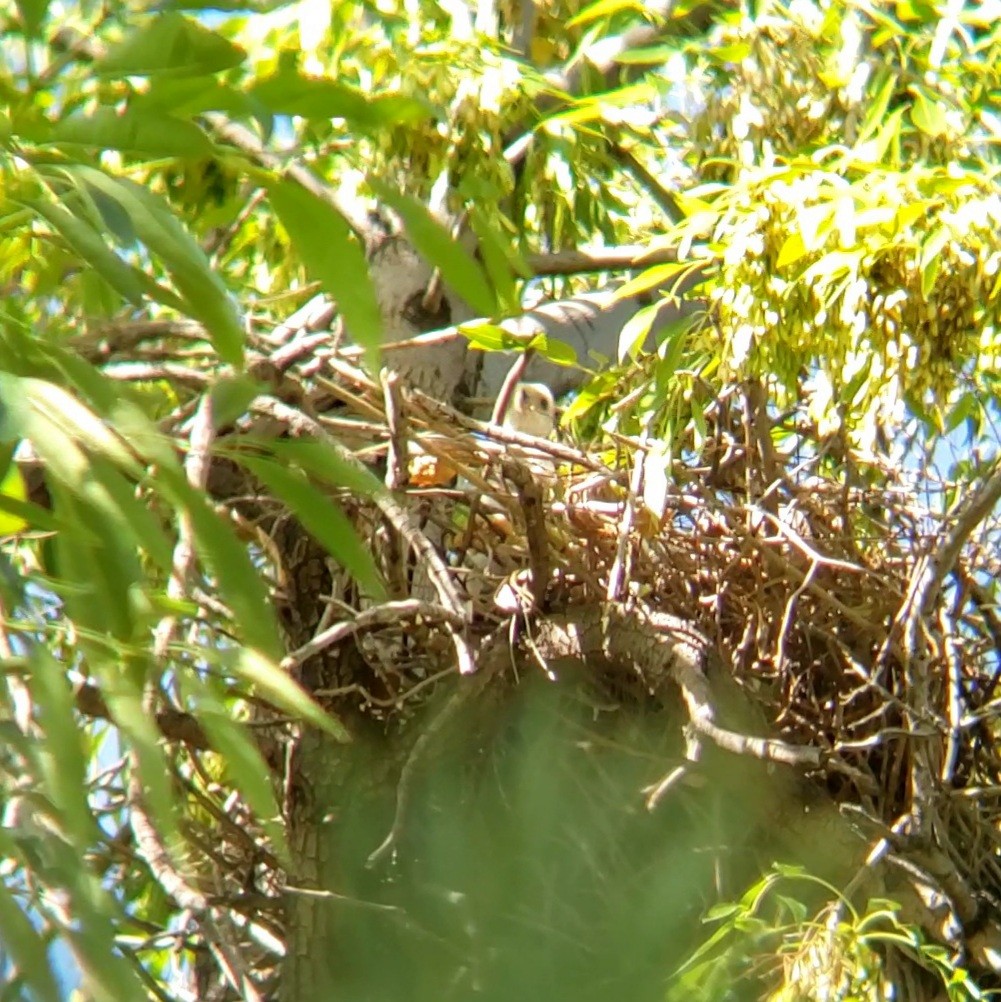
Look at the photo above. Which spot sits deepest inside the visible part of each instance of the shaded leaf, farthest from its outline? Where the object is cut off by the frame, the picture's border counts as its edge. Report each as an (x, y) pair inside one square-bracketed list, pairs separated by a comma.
[(321, 460), (93, 556), (24, 946), (120, 687), (33, 14), (59, 426), (192, 95), (240, 583), (243, 762), (62, 755)]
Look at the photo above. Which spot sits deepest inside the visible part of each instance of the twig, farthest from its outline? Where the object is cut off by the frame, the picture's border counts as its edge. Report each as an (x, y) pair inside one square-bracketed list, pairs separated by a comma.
[(396, 456), (616, 575), (380, 615)]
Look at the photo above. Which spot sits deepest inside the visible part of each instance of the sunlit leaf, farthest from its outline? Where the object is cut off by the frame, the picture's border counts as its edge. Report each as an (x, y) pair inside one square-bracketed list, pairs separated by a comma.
[(277, 686), (90, 245), (553, 350), (143, 131), (929, 115), (12, 489), (288, 92), (652, 278), (171, 44), (600, 9), (490, 337), (635, 330)]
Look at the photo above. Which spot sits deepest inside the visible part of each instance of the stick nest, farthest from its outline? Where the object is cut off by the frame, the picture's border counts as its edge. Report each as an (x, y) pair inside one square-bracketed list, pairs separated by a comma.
[(850, 614)]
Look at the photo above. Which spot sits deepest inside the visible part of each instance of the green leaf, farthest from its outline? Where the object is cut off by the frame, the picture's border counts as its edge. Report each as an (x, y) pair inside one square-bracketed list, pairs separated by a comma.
[(553, 350), (594, 107), (323, 461), (62, 755), (231, 396), (334, 256), (240, 583), (652, 278), (59, 427), (94, 556), (929, 115), (600, 9), (12, 488), (133, 515), (170, 44), (23, 514), (491, 337), (278, 687), (25, 947), (671, 340), (966, 408), (243, 762), (792, 250), (33, 14), (501, 260), (206, 298), (142, 131), (877, 106), (288, 92), (188, 96), (90, 245), (635, 330), (460, 270), (122, 697), (647, 55), (323, 519), (930, 261)]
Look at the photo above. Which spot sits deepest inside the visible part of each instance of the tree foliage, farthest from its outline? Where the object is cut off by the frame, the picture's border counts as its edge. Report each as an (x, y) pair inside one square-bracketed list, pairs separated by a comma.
[(205, 217)]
